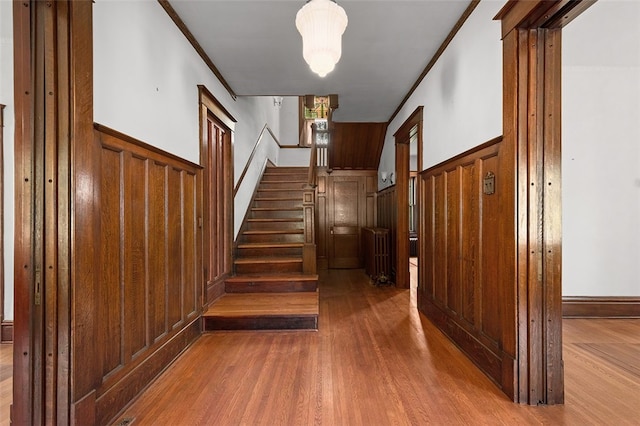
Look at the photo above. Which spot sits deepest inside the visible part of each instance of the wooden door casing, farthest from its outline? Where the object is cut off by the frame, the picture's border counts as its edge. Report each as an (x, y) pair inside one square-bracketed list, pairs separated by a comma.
[(216, 156)]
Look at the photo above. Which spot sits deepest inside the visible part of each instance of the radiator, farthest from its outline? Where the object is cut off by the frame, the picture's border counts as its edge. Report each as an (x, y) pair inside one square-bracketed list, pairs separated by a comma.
[(377, 258)]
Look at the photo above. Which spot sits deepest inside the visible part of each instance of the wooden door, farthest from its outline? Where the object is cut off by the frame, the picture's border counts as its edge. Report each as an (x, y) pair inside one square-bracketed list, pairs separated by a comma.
[(345, 206)]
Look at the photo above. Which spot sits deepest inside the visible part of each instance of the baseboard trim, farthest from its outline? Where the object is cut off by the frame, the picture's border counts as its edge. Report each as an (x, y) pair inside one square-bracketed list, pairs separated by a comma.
[(600, 307), (6, 332)]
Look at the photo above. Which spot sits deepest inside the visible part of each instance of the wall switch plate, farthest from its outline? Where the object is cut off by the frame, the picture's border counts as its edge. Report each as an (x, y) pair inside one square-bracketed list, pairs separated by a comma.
[(489, 186)]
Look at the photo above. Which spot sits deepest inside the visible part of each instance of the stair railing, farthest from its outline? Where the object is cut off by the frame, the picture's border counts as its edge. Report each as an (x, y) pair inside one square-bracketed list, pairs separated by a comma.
[(308, 211), (313, 173)]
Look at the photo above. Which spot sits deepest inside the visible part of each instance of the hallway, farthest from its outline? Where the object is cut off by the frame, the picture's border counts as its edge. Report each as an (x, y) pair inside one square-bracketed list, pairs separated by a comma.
[(376, 361)]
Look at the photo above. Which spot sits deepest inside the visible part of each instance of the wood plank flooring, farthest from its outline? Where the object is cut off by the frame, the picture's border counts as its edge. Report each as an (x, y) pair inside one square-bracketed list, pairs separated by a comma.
[(376, 361), (6, 382)]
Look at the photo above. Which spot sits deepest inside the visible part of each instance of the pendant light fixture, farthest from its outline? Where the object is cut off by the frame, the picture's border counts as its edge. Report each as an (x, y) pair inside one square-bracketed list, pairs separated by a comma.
[(321, 24)]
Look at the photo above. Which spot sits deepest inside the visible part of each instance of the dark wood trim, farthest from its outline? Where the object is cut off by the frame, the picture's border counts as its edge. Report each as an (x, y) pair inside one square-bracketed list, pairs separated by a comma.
[(540, 14), (467, 153), (600, 307), (23, 276), (220, 239), (531, 191), (148, 147), (190, 37), (6, 332), (401, 244), (463, 18), (216, 106)]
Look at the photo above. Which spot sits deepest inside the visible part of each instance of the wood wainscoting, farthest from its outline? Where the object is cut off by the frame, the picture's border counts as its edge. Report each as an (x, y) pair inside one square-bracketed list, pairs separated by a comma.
[(600, 307), (459, 266), (150, 295), (6, 332)]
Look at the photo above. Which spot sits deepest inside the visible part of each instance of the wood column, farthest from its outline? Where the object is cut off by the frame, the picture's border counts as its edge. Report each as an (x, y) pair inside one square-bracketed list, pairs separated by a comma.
[(54, 117), (309, 262), (532, 94)]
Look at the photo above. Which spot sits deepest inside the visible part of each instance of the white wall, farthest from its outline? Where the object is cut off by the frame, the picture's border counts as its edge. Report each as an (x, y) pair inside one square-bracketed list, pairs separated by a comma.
[(289, 122), (601, 151), (6, 98), (145, 84), (461, 95)]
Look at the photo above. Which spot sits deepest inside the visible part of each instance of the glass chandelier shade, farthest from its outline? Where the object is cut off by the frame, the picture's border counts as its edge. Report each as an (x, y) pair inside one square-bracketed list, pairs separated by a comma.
[(321, 24)]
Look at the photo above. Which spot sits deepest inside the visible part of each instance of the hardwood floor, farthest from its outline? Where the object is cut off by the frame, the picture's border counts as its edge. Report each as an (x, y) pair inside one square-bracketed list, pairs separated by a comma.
[(375, 361), (6, 382)]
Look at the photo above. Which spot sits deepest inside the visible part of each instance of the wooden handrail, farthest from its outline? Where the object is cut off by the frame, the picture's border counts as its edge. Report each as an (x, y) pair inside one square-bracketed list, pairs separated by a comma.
[(253, 152)]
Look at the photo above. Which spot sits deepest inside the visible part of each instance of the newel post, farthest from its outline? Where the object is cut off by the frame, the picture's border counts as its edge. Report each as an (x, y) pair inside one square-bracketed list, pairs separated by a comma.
[(309, 248)]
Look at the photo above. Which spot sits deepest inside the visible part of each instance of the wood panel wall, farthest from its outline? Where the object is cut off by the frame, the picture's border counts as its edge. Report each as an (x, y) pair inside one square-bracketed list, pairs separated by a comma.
[(387, 212), (356, 146), (150, 293), (459, 284)]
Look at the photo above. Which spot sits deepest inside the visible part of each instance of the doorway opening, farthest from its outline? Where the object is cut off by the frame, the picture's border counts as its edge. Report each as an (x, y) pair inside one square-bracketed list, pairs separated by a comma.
[(408, 163)]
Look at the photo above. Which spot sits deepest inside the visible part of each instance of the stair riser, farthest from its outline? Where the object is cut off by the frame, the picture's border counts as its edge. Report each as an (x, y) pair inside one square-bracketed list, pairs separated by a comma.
[(268, 226), (256, 252), (283, 185), (277, 238), (269, 268), (266, 214), (271, 286), (284, 193), (285, 177), (262, 323), (277, 203)]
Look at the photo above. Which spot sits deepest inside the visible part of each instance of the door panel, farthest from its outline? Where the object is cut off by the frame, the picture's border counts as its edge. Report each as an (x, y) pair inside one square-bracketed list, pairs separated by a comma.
[(344, 231)]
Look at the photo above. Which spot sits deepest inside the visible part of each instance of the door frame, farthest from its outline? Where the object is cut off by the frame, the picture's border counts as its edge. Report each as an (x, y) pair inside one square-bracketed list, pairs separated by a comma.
[(213, 287), (532, 35), (402, 139)]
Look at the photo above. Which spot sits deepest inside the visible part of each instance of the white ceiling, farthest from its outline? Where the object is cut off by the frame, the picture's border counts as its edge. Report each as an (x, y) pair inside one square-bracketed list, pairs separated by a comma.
[(386, 46)]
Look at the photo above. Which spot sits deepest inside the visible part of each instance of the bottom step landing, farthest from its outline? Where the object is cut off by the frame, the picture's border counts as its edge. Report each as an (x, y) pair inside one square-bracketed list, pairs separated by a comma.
[(263, 311)]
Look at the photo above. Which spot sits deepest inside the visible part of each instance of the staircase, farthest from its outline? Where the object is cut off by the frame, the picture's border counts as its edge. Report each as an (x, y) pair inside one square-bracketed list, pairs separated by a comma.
[(270, 290)]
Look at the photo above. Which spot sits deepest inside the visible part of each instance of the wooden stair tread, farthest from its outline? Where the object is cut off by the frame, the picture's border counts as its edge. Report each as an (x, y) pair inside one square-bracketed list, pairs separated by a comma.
[(272, 277), (266, 260), (261, 304), (276, 219), (281, 189), (278, 199), (274, 231), (269, 245)]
